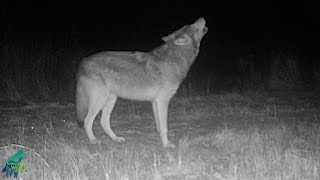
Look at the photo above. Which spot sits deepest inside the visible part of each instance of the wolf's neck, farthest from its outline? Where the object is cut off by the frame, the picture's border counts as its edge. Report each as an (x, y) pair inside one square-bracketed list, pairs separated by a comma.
[(178, 58), (171, 53)]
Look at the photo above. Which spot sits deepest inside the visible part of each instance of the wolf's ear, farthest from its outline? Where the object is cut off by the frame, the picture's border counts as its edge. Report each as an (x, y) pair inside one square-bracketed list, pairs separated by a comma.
[(168, 38), (182, 40), (175, 34)]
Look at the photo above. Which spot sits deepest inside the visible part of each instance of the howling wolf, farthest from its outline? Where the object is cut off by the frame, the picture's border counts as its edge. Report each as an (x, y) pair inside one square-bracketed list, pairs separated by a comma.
[(145, 76)]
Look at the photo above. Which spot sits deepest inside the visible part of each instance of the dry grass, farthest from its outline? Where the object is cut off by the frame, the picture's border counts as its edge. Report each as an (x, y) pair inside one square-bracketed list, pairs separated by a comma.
[(230, 136)]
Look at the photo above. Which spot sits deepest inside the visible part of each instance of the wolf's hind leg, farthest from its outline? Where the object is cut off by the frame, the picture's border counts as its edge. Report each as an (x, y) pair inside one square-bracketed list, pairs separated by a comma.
[(105, 118), (156, 116), (95, 105)]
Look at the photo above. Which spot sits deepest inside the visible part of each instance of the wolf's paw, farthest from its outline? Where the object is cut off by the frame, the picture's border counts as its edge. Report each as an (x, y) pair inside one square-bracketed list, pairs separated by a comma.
[(119, 139), (169, 145), (95, 141)]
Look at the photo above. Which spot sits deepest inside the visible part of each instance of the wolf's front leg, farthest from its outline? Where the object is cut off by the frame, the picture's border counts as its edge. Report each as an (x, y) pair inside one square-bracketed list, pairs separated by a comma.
[(162, 110)]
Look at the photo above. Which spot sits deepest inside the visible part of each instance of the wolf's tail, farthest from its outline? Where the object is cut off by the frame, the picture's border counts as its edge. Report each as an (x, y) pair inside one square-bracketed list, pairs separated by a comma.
[(81, 104)]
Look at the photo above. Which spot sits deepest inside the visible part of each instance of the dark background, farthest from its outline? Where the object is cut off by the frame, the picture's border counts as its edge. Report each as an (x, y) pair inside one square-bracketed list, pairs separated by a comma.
[(43, 41)]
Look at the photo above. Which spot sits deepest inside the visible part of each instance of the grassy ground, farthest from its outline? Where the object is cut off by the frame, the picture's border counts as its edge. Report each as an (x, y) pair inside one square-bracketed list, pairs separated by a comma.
[(226, 136)]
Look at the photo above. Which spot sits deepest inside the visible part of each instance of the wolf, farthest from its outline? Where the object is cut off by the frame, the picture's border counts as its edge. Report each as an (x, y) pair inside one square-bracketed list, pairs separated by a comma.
[(153, 76)]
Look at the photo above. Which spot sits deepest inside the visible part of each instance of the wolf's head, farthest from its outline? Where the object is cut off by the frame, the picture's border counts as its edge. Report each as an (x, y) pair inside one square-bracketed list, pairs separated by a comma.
[(192, 33)]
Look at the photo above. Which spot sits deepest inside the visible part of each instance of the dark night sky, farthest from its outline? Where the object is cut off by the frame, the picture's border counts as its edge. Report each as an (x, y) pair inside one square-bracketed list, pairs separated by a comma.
[(106, 25)]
